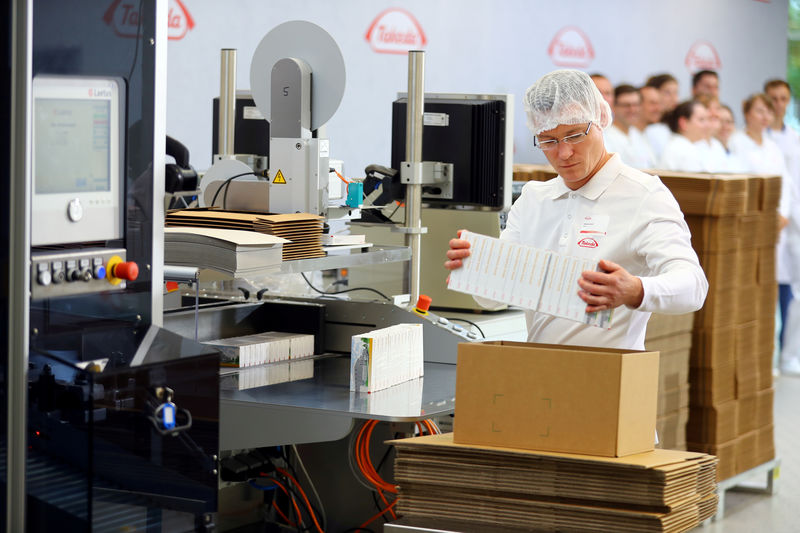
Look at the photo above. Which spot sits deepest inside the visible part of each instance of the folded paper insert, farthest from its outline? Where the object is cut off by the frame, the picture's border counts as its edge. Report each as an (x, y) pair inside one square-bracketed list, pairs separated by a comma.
[(527, 277)]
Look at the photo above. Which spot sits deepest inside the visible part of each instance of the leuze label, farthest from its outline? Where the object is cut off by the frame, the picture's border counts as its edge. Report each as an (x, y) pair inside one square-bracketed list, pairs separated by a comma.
[(395, 31)]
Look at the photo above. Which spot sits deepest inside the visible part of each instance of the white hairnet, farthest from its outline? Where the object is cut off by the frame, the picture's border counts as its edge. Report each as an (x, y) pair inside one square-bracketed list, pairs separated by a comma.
[(565, 97)]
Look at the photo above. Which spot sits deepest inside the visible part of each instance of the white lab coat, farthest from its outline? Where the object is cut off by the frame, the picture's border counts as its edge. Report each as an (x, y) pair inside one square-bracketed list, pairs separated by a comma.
[(788, 140), (658, 136), (632, 147), (681, 154), (642, 229)]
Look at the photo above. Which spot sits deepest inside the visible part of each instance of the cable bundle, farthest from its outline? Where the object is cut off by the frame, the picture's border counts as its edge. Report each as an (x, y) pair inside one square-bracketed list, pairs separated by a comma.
[(370, 474)]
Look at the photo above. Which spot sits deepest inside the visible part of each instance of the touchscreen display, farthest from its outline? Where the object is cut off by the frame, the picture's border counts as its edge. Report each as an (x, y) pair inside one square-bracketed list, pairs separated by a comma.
[(72, 145)]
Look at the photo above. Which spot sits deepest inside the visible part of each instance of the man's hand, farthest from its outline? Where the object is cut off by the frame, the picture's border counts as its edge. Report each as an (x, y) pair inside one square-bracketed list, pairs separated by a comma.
[(459, 249), (609, 289)]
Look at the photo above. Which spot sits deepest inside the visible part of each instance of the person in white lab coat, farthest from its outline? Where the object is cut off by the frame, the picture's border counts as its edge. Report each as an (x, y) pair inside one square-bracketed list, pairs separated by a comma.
[(600, 209), (689, 125), (623, 137), (788, 140), (761, 155), (658, 133)]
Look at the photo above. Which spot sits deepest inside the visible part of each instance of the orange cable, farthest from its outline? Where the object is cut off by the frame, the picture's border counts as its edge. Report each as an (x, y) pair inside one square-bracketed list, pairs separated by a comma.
[(291, 499), (379, 514), (372, 473), (285, 518), (303, 494), (342, 177)]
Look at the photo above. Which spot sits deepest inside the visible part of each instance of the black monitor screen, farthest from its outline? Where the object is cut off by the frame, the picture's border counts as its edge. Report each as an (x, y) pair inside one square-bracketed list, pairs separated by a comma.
[(473, 140)]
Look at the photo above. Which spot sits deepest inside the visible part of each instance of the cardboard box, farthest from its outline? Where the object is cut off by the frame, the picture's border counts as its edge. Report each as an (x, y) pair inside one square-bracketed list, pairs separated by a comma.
[(767, 300), (673, 371), (556, 398), (713, 425), (764, 363), (747, 452), (747, 373), (748, 231), (533, 172), (672, 400), (708, 194), (748, 414), (766, 332), (672, 429), (770, 192), (746, 303), (765, 400), (714, 234), (672, 342), (765, 444), (719, 309), (769, 228), (713, 347), (712, 386), (660, 325), (766, 265), (723, 268), (725, 452)]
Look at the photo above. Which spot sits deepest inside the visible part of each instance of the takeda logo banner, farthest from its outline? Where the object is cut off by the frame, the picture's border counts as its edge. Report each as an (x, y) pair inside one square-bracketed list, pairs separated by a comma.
[(123, 17), (702, 56), (571, 47), (395, 31)]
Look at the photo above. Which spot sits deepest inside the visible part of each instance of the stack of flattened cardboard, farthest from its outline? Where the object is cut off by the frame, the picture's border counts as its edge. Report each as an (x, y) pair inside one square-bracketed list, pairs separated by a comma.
[(671, 335), (303, 230), (661, 490), (733, 220)]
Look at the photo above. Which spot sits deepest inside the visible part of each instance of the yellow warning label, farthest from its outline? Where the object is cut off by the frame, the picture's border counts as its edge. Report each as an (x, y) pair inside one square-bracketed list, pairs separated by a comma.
[(279, 178)]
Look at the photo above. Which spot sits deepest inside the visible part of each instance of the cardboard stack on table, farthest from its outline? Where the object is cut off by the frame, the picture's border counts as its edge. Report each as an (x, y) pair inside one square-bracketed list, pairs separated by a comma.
[(671, 336), (733, 220), (554, 438)]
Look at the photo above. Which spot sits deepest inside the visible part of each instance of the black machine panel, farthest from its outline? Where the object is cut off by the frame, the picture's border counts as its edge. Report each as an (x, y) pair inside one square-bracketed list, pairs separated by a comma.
[(250, 129), (473, 141)]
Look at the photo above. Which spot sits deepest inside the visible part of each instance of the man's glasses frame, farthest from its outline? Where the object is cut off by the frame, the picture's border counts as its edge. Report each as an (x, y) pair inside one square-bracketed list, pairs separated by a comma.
[(551, 144)]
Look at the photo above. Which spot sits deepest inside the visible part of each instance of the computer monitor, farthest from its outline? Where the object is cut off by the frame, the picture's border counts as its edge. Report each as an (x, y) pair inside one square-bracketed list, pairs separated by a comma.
[(77, 159), (474, 132)]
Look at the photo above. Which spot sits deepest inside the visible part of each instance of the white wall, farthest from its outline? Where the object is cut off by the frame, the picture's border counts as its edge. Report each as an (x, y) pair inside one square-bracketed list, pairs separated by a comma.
[(472, 46)]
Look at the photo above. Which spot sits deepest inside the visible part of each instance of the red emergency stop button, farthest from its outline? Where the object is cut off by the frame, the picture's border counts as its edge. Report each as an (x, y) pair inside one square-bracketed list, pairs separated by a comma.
[(127, 270), (423, 304), (118, 270)]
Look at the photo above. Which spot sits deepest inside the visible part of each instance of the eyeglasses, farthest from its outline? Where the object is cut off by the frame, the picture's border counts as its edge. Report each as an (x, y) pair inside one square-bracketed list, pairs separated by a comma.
[(551, 144)]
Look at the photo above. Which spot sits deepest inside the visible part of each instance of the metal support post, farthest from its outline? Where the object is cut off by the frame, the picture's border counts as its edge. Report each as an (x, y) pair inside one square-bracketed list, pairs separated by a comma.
[(414, 112), (227, 100)]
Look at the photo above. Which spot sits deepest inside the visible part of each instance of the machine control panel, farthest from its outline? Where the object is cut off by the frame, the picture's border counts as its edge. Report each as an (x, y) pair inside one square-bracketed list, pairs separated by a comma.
[(82, 271)]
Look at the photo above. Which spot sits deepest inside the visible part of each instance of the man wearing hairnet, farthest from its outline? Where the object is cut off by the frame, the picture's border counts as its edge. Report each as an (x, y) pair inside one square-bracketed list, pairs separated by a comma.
[(599, 208)]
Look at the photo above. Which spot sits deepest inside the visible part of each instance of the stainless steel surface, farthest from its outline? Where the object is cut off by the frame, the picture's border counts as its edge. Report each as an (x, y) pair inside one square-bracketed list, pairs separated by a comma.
[(227, 100), (375, 255), (156, 266), (19, 196), (414, 117), (323, 408)]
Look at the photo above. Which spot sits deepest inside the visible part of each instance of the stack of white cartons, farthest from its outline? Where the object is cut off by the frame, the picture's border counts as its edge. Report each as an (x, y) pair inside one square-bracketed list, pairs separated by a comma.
[(385, 357), (261, 348)]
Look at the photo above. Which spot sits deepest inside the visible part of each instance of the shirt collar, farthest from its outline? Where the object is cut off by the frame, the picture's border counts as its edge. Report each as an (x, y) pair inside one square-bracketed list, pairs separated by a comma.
[(592, 189)]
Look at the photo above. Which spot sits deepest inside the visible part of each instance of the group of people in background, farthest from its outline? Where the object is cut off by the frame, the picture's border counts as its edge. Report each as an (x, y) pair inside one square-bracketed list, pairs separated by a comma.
[(652, 128)]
